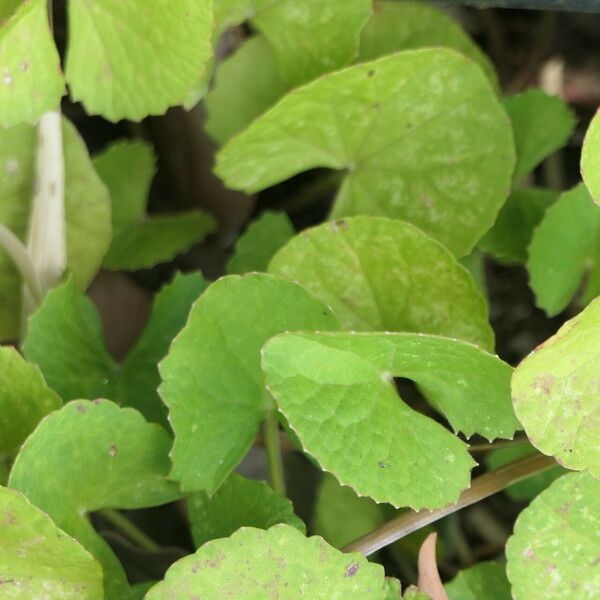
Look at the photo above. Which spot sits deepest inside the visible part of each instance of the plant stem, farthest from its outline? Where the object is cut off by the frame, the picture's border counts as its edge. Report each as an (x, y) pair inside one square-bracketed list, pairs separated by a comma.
[(274, 459), (128, 529), (482, 487)]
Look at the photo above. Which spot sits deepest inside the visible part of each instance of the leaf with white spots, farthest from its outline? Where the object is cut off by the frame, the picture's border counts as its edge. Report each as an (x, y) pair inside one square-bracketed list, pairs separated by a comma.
[(555, 393), (419, 135), (93, 455), (278, 563), (379, 274), (554, 552), (38, 559), (590, 159), (31, 81)]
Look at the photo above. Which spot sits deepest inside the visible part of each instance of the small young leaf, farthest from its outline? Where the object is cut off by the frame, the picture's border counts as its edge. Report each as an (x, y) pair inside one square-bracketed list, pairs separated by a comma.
[(565, 245), (555, 546), (336, 392), (239, 502), (263, 238), (590, 159), (127, 59), (24, 400), (555, 393), (87, 207), (404, 25), (507, 241), (212, 382), (278, 563), (419, 134), (38, 559), (99, 456), (484, 581), (414, 593), (542, 124), (381, 274), (31, 81)]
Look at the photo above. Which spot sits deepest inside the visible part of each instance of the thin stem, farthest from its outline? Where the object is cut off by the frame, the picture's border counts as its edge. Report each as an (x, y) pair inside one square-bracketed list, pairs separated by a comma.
[(19, 255), (128, 529), (484, 486), (274, 460)]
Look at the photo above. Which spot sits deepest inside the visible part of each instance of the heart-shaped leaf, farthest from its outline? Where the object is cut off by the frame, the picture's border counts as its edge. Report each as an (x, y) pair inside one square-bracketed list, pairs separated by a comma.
[(590, 159)]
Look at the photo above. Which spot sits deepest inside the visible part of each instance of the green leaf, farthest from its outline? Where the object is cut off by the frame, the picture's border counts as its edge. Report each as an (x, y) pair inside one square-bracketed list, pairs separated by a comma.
[(65, 339), (555, 547), (31, 80), (341, 516), (24, 400), (398, 25), (507, 241), (139, 379), (336, 392), (542, 124), (239, 502), (212, 381), (141, 241), (87, 208), (420, 135), (565, 246), (38, 559), (263, 238), (278, 563), (100, 456), (529, 488), (414, 593), (555, 393), (381, 274), (484, 581), (308, 39), (127, 59), (590, 159)]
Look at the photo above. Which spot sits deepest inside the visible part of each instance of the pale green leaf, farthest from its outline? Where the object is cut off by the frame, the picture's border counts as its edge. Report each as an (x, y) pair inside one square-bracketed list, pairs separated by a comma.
[(419, 135), (399, 25), (414, 593), (99, 456), (24, 400), (212, 381), (336, 392), (239, 502), (590, 159), (553, 553), (38, 559), (542, 124), (555, 393), (483, 581), (257, 245), (340, 516), (127, 59), (381, 274), (31, 81), (394, 589), (507, 241), (87, 207), (564, 247), (278, 563)]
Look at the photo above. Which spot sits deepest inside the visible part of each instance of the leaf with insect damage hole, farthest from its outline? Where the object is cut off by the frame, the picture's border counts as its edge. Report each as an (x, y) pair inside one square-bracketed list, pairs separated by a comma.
[(590, 159), (239, 502), (382, 274), (336, 392), (278, 563), (420, 135), (38, 559), (554, 552), (87, 208), (555, 393), (483, 581), (127, 59), (31, 81), (212, 381), (100, 456)]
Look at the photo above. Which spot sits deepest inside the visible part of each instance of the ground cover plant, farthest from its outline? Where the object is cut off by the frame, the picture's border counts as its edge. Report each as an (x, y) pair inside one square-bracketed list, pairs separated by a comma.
[(328, 408)]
